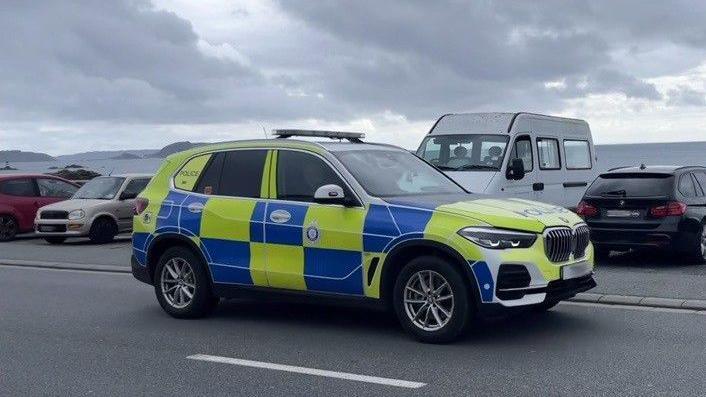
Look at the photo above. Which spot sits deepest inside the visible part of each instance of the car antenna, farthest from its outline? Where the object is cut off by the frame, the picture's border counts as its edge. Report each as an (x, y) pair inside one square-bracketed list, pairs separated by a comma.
[(264, 131)]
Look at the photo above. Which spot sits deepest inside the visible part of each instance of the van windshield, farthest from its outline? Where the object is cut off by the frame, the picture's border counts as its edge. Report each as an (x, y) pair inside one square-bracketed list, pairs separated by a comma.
[(464, 152)]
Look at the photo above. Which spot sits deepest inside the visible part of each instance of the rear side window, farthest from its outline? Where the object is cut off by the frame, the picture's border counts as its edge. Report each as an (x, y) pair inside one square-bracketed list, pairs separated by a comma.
[(190, 173), (548, 152), (632, 185), (701, 179), (136, 186), (686, 186), (300, 174), (211, 176), (18, 187), (242, 173), (55, 188), (577, 154)]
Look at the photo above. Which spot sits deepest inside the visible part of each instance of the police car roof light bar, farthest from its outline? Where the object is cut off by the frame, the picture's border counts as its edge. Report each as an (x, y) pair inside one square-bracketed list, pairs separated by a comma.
[(355, 137)]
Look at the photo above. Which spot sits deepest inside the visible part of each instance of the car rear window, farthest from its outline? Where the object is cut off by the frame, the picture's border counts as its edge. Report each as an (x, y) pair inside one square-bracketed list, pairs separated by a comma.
[(632, 185)]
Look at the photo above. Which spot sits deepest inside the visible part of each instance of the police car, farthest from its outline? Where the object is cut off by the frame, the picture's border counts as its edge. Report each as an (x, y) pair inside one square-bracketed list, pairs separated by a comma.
[(353, 220)]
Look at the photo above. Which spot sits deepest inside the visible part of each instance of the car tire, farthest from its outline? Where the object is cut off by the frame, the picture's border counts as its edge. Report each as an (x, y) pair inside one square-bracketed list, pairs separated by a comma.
[(416, 307), (8, 227), (103, 230), (54, 240), (696, 250), (182, 284)]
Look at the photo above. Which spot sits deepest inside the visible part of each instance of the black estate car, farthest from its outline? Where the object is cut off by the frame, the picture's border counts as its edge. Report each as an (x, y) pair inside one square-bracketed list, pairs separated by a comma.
[(648, 206)]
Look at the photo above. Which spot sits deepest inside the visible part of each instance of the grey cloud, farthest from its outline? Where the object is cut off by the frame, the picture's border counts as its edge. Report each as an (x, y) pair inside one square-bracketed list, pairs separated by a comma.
[(685, 96)]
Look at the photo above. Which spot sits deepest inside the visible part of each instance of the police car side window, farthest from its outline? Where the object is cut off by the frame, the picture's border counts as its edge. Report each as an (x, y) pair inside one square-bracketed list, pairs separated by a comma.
[(242, 173), (210, 177), (299, 175)]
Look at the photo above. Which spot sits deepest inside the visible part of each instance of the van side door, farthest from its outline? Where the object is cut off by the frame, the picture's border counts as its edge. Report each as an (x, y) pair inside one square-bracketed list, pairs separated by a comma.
[(579, 170), (521, 148), (548, 186)]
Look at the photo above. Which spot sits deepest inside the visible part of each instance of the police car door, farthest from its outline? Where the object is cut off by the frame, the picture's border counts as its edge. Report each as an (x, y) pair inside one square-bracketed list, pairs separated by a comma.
[(311, 246)]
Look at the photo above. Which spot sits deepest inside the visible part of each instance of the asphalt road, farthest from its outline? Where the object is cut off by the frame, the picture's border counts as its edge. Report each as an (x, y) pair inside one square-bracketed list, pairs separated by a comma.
[(82, 333), (645, 273)]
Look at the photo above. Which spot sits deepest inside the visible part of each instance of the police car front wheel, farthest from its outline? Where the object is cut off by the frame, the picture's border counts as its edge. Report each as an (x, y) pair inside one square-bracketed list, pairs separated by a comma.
[(431, 300), (182, 286)]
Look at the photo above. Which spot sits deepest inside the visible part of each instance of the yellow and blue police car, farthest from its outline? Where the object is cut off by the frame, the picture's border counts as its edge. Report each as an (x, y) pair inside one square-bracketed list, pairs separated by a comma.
[(352, 220)]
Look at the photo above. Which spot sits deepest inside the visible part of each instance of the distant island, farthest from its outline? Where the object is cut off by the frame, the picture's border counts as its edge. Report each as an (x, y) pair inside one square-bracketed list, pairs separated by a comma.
[(19, 156), (126, 156)]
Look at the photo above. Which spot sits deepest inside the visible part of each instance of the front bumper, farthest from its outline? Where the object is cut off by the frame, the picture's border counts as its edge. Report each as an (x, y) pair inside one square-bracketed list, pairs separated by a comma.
[(140, 272), (61, 227)]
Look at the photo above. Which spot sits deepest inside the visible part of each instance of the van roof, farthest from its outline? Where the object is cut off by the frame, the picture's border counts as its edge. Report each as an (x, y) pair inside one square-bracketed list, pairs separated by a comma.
[(491, 122)]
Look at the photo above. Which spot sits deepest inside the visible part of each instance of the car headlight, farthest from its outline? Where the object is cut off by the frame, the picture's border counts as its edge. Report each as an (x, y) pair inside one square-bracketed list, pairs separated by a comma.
[(493, 238), (76, 214)]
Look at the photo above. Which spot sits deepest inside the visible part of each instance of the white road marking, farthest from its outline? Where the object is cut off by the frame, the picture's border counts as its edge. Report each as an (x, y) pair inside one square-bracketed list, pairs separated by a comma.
[(59, 269), (308, 371), (639, 308)]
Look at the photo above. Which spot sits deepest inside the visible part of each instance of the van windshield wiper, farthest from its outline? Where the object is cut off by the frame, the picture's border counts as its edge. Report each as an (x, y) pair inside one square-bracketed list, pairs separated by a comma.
[(445, 168), (621, 192), (477, 167)]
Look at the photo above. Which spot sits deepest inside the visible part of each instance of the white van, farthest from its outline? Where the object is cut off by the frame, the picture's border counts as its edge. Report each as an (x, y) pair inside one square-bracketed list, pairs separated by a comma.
[(543, 158)]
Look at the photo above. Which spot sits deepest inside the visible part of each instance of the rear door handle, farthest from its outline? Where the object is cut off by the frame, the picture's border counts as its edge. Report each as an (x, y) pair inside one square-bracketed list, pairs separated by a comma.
[(538, 186)]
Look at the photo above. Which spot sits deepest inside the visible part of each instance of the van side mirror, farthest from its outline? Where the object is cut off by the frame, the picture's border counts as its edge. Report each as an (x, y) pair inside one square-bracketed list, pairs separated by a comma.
[(331, 194), (516, 170)]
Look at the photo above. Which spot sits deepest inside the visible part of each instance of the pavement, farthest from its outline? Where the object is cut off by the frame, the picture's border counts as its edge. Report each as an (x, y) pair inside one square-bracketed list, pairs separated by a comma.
[(69, 332)]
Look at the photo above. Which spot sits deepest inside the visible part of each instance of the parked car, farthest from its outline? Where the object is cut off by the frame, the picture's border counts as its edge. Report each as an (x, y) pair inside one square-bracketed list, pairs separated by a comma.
[(544, 158), (99, 210), (367, 222), (22, 194), (648, 206)]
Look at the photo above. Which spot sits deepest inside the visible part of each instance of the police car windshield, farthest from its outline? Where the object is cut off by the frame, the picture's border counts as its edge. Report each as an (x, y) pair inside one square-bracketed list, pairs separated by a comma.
[(101, 188), (386, 173), (464, 152)]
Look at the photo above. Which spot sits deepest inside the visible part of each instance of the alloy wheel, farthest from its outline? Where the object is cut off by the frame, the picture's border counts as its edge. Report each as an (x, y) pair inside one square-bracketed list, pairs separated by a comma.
[(428, 300), (178, 283), (703, 241)]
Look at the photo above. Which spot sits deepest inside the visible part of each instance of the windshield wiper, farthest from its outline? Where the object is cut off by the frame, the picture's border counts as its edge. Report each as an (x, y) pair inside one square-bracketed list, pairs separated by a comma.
[(620, 192), (445, 168), (477, 167)]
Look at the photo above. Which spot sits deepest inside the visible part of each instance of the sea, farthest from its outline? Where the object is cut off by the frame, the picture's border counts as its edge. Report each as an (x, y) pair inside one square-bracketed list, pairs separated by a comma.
[(608, 156)]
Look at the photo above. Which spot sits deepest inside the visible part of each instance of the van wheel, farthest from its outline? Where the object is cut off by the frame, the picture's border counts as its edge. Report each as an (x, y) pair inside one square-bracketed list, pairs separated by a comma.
[(182, 284), (431, 300), (103, 230), (54, 240), (8, 227)]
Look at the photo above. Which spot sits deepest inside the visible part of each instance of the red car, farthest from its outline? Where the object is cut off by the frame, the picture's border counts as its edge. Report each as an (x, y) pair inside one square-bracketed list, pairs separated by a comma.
[(22, 194)]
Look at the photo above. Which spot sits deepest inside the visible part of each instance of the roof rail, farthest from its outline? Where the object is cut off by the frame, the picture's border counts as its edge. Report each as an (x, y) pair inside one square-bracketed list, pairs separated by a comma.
[(355, 137), (620, 168)]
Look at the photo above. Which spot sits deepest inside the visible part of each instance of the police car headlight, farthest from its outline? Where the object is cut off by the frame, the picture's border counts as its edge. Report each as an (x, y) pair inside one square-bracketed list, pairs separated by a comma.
[(76, 214), (492, 238)]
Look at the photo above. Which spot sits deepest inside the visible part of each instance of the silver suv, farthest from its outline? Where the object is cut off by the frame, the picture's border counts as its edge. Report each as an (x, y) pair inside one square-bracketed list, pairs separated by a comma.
[(99, 210)]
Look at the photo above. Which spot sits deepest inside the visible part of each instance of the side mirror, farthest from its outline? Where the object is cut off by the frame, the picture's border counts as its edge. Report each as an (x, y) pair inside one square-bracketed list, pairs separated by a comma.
[(128, 196), (516, 170), (331, 194)]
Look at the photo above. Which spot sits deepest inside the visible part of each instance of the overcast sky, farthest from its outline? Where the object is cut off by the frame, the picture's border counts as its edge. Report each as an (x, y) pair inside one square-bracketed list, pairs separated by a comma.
[(98, 75)]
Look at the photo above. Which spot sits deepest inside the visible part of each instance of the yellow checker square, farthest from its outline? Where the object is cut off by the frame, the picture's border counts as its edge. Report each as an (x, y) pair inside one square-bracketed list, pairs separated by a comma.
[(227, 218), (337, 227), (188, 175), (258, 271), (285, 265)]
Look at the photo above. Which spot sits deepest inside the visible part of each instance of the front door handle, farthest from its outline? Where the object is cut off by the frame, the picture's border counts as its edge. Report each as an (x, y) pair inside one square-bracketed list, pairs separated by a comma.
[(538, 186)]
